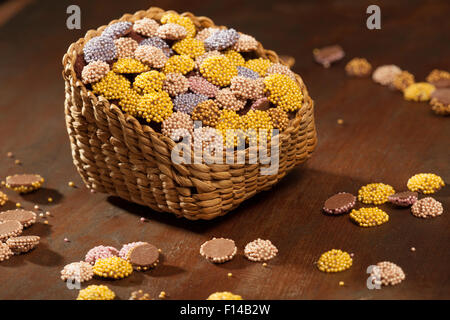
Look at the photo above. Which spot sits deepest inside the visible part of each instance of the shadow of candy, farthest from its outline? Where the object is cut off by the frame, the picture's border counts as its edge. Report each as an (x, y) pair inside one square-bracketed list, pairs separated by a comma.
[(9, 205), (43, 256), (42, 195)]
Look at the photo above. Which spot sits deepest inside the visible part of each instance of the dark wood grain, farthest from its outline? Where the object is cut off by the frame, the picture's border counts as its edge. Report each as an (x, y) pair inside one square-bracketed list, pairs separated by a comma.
[(383, 139)]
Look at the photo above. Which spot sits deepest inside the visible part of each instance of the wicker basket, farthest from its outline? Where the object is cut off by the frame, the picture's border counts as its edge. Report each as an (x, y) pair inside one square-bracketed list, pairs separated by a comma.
[(117, 155)]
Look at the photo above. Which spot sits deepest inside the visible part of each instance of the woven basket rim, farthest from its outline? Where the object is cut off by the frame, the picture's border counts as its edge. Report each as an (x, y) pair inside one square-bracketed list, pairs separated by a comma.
[(76, 48)]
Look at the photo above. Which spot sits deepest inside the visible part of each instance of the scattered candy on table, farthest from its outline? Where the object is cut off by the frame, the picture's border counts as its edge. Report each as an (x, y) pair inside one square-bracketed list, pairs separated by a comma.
[(427, 208), (113, 268), (387, 273), (420, 91), (10, 228), (403, 199), (334, 260), (439, 78), (94, 292), (79, 271), (5, 252), (100, 252), (139, 295), (339, 203), (440, 101), (425, 183), (386, 74), (25, 217), (260, 250), (328, 55), (358, 67), (224, 296), (218, 250), (143, 256), (403, 80), (375, 193), (24, 183), (369, 217)]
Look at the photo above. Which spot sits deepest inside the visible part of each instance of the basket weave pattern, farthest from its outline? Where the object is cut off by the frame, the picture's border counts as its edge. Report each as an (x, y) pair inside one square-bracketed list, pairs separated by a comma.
[(117, 155)]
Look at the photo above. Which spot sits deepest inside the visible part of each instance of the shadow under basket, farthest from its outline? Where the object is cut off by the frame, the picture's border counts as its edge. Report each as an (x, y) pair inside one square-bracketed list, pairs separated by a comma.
[(115, 154)]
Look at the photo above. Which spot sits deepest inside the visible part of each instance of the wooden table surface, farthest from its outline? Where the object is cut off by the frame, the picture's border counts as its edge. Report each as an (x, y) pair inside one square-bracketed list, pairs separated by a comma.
[(383, 139)]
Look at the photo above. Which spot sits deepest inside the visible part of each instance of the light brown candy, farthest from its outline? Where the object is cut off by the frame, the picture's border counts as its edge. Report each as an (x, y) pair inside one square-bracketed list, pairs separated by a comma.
[(5, 252), (79, 271), (139, 295), (24, 183), (143, 257), (22, 244), (25, 217), (260, 250), (10, 228), (218, 250)]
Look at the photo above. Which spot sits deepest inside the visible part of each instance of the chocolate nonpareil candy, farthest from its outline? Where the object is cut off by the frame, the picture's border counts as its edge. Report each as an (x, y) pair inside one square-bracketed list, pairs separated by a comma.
[(24, 183), (25, 217), (218, 250), (441, 83), (339, 203), (404, 199), (442, 96), (5, 252), (143, 256), (327, 55), (11, 228), (139, 295), (22, 244), (440, 101)]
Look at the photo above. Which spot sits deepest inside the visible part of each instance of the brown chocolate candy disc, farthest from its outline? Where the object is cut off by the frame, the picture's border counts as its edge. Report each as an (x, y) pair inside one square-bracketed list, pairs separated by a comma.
[(442, 95), (327, 55), (22, 244), (405, 194), (441, 83), (339, 203), (135, 36), (262, 104), (404, 199), (25, 217), (218, 250), (24, 183), (11, 228), (144, 256), (26, 180)]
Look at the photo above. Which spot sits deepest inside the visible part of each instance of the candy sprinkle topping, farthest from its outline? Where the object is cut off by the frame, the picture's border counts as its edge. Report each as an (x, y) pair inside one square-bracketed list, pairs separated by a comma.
[(94, 292), (375, 193), (218, 70), (224, 296), (155, 106), (369, 217), (99, 48), (425, 183), (283, 92), (334, 260), (113, 267)]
